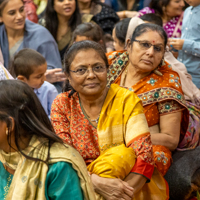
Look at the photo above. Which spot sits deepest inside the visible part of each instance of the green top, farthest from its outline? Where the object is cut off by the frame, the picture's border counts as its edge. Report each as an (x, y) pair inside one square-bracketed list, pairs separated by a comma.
[(62, 182)]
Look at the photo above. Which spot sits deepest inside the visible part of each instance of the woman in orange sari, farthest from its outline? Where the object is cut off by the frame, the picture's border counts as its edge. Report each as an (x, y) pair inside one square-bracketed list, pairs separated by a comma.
[(142, 69)]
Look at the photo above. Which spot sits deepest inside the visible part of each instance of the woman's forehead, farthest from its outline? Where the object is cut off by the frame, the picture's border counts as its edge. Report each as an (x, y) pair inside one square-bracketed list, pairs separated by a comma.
[(87, 57), (151, 36), (13, 5)]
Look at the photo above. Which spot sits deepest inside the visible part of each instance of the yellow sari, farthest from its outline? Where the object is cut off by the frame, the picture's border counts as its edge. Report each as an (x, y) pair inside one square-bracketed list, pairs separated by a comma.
[(121, 123)]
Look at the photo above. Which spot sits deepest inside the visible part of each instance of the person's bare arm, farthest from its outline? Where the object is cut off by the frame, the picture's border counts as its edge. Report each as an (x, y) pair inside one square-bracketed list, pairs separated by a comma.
[(136, 181), (169, 135)]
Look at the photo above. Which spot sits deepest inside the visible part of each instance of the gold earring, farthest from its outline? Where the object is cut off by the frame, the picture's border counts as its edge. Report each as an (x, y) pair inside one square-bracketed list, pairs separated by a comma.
[(6, 131), (155, 71), (163, 62)]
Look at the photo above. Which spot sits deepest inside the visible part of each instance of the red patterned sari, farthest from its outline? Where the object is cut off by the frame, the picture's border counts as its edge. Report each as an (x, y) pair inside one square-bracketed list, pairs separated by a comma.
[(160, 95)]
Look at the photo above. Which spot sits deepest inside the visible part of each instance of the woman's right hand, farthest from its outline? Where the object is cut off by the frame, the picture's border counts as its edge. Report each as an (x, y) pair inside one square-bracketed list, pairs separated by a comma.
[(112, 189), (55, 75)]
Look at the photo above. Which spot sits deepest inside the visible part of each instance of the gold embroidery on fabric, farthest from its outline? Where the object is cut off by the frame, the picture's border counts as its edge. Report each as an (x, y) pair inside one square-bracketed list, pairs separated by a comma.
[(6, 188), (117, 67), (161, 94), (168, 107)]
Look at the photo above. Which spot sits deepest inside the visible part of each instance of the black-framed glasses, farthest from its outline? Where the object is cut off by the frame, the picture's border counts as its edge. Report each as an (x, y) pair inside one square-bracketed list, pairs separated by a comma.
[(85, 71), (145, 45)]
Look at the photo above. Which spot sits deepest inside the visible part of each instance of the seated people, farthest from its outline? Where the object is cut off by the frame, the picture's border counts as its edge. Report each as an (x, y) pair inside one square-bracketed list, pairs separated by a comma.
[(88, 31), (35, 164), (192, 95), (191, 92), (30, 66), (142, 69), (108, 128), (119, 34), (20, 34)]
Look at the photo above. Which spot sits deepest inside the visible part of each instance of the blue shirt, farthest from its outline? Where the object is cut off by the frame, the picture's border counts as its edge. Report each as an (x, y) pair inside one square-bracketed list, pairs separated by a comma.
[(190, 53), (46, 94)]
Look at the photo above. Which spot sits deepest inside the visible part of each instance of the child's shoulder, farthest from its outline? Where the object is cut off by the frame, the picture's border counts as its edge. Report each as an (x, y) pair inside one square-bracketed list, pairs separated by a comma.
[(46, 86)]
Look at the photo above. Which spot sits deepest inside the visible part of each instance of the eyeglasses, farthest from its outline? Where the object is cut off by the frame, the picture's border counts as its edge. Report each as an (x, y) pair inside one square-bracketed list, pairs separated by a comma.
[(147, 45), (85, 71)]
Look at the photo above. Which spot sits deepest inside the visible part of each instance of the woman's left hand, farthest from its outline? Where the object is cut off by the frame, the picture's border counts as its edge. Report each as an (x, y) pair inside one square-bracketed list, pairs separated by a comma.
[(176, 43), (112, 189)]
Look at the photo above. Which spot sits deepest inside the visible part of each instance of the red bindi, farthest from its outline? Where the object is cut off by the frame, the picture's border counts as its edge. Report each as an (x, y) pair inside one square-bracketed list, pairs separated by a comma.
[(153, 41)]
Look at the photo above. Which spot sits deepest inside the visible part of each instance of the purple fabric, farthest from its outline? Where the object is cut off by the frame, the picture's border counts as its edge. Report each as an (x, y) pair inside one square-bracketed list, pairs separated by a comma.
[(169, 26), (192, 137)]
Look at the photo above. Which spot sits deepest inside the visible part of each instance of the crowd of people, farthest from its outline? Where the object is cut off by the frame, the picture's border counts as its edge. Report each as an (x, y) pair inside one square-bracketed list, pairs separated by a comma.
[(100, 99)]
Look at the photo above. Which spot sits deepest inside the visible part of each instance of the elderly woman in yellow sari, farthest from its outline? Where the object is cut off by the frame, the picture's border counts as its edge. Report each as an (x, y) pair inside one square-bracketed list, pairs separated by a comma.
[(108, 128)]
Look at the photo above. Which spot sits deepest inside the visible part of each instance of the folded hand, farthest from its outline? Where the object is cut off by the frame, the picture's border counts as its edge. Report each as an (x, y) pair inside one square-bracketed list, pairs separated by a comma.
[(112, 189)]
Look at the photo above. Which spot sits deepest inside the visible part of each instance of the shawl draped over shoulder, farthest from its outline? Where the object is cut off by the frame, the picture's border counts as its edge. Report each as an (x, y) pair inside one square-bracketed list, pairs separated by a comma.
[(35, 37)]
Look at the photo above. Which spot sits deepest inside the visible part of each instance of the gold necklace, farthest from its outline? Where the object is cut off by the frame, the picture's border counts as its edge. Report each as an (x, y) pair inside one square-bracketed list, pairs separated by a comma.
[(87, 116), (92, 120)]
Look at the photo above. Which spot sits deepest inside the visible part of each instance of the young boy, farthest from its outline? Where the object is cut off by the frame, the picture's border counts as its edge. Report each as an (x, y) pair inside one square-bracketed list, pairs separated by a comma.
[(30, 66), (189, 44)]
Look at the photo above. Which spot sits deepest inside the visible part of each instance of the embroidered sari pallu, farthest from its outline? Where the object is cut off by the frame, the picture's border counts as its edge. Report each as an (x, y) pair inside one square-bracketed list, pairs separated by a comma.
[(160, 95)]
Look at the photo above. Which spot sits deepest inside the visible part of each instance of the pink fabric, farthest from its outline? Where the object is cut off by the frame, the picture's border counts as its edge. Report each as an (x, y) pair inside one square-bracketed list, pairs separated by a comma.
[(192, 137), (191, 92), (172, 27)]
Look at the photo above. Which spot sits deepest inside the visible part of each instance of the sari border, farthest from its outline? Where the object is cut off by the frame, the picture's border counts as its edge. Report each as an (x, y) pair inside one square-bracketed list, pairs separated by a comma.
[(136, 138), (117, 67), (161, 94)]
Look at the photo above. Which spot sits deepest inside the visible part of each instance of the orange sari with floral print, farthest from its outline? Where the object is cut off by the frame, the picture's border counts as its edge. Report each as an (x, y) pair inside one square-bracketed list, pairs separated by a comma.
[(160, 95)]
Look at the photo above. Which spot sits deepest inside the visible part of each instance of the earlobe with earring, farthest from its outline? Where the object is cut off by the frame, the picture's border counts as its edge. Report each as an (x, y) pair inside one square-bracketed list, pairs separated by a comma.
[(163, 61), (6, 131), (155, 71)]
